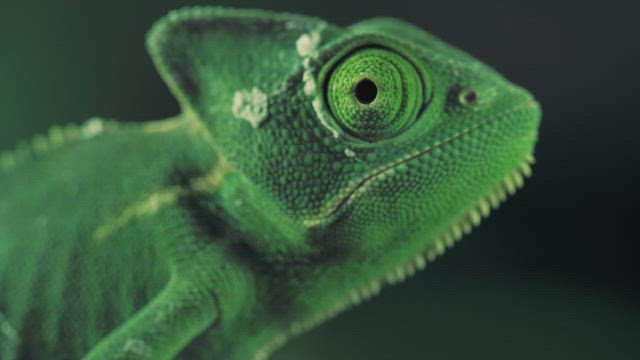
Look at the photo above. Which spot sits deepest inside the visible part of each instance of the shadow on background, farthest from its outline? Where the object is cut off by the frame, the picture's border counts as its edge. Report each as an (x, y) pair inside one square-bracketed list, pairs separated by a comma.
[(552, 275)]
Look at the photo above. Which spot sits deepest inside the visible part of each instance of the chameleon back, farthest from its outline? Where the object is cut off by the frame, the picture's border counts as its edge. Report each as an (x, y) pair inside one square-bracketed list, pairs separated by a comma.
[(64, 285)]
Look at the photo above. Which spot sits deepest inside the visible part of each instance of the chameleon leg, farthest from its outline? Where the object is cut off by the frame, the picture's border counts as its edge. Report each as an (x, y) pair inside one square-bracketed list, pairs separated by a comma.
[(189, 303), (163, 327)]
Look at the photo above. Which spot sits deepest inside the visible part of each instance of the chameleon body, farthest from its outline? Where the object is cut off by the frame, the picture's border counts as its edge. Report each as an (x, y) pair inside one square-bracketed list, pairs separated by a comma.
[(310, 166)]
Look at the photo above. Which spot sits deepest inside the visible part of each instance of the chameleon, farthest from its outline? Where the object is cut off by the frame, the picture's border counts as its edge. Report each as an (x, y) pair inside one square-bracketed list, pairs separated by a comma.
[(310, 166)]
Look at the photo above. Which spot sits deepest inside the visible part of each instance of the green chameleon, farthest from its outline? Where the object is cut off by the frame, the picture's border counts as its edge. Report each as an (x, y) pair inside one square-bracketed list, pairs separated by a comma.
[(311, 166)]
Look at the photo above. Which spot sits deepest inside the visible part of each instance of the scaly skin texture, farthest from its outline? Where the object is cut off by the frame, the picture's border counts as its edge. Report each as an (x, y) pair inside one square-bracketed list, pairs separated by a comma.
[(311, 165)]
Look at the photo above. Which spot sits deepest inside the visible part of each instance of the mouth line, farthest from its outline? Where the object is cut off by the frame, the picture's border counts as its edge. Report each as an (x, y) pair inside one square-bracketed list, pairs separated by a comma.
[(348, 195), (470, 218), (449, 236)]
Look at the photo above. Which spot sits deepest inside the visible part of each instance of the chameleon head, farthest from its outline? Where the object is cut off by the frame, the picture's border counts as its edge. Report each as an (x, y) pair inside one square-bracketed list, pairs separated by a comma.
[(381, 142)]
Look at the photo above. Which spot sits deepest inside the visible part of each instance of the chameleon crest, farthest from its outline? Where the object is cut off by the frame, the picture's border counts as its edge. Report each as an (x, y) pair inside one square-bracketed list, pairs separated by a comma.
[(311, 165)]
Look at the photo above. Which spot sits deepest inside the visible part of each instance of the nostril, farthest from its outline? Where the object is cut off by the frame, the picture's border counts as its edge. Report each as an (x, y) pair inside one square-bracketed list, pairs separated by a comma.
[(468, 97)]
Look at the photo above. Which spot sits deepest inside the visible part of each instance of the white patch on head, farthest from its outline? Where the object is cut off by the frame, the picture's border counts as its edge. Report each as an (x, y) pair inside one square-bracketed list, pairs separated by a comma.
[(317, 107), (308, 43), (307, 47), (250, 106), (309, 83), (307, 77)]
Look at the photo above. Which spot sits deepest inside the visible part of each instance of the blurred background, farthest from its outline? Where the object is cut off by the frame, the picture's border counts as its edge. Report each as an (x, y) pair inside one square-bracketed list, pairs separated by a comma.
[(552, 275)]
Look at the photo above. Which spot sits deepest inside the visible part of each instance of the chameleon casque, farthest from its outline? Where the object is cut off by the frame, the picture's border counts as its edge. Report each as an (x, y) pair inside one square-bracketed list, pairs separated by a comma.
[(311, 166)]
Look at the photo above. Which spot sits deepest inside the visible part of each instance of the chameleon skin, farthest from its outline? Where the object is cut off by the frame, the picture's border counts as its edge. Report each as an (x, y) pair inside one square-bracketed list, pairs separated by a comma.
[(269, 204)]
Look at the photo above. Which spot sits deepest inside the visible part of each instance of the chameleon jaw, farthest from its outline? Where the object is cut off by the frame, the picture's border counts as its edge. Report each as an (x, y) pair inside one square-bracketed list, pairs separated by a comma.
[(454, 233), (471, 218), (465, 224)]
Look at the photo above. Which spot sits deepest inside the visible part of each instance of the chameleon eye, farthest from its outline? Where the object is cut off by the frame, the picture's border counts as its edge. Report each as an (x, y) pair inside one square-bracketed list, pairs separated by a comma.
[(374, 93)]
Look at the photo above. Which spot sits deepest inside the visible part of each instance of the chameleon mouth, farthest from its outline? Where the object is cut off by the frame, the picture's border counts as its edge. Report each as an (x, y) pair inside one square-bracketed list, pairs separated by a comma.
[(452, 234), (364, 183)]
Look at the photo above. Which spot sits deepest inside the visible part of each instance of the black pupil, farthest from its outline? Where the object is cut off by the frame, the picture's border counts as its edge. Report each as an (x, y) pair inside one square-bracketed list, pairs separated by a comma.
[(366, 91)]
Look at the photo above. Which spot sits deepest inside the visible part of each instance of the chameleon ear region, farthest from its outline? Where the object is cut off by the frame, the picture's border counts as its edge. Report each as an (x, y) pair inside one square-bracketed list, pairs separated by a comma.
[(375, 93)]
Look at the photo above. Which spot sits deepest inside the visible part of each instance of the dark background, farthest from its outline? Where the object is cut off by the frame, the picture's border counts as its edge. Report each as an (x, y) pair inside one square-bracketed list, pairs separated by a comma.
[(551, 275)]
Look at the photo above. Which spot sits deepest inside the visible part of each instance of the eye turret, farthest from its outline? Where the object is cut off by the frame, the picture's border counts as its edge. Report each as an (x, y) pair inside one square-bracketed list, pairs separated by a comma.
[(374, 93)]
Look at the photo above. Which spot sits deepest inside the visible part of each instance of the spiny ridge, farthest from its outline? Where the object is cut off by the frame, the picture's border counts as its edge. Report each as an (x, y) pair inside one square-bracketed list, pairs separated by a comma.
[(472, 218), (57, 137)]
